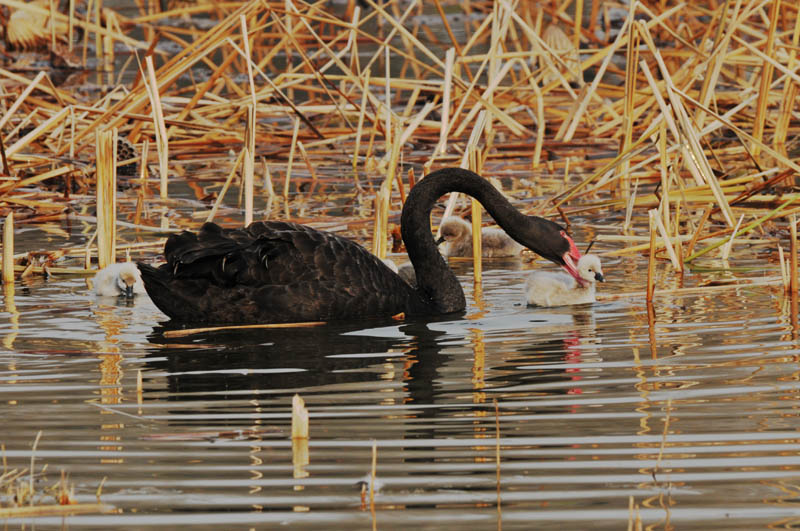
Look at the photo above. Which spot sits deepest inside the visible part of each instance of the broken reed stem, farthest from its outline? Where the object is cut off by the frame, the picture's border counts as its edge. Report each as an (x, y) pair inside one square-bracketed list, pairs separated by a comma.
[(192, 331), (666, 239), (248, 61), (766, 79), (249, 161), (696, 235), (651, 264), (71, 24), (162, 142), (441, 147), (361, 114), (139, 386), (784, 272), (793, 255), (106, 195), (300, 457), (664, 434), (8, 250), (630, 498), (299, 418), (32, 470), (225, 186), (379, 236), (291, 160), (477, 251), (726, 249), (372, 474), (497, 459), (771, 214)]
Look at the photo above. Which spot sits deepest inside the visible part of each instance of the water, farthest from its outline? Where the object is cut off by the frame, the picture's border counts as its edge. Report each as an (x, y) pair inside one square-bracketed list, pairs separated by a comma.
[(582, 393), (693, 418)]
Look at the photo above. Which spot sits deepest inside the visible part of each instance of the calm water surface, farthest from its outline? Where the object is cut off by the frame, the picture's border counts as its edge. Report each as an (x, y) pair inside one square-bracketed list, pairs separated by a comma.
[(584, 396)]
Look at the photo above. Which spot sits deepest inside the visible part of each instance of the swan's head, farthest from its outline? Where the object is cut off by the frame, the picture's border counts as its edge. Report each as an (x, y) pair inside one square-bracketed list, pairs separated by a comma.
[(453, 228), (589, 269), (127, 279), (551, 241)]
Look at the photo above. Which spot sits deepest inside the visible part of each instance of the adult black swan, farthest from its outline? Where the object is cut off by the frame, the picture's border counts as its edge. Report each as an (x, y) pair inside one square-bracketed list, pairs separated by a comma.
[(277, 272)]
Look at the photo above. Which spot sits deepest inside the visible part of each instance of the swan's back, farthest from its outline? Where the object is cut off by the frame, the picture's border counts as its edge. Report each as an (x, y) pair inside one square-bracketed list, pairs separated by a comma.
[(271, 272)]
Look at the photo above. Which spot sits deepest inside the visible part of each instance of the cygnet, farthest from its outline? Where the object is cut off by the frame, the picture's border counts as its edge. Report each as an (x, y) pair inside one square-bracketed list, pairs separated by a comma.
[(122, 278), (457, 239), (549, 288)]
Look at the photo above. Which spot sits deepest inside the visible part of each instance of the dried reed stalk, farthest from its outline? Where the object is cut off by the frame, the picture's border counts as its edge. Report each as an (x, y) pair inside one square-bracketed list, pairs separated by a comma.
[(449, 58), (477, 264), (300, 454), (726, 249), (8, 250), (55, 510), (651, 263), (666, 240), (372, 474), (286, 183), (106, 166), (299, 418), (771, 214), (766, 78), (784, 270), (361, 115), (139, 387), (793, 254), (249, 161), (497, 461), (193, 331), (162, 143)]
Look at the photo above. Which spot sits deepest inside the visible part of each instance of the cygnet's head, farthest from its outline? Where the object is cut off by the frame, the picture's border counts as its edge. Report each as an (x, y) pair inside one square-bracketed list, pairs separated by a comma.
[(127, 279), (589, 269), (453, 228)]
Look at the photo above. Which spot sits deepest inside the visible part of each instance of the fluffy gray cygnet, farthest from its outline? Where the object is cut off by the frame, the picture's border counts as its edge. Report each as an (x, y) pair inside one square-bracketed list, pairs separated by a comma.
[(457, 239), (550, 288), (122, 278)]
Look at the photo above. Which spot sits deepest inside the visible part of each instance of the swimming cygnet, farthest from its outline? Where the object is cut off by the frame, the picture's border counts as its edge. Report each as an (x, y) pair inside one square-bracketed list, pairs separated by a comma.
[(457, 237), (122, 278), (550, 288)]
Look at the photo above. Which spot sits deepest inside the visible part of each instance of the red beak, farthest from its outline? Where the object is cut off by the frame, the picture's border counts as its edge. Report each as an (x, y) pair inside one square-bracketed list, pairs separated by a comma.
[(571, 258)]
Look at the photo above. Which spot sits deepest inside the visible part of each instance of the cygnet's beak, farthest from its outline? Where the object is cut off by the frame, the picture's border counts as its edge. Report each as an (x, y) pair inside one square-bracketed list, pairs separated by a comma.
[(599, 277), (440, 240), (129, 291)]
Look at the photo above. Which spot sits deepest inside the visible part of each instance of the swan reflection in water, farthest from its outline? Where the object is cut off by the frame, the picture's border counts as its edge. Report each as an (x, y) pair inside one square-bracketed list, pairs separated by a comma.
[(423, 364)]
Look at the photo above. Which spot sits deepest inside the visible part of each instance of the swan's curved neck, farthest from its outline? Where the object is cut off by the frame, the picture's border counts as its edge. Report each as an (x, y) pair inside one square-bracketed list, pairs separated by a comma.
[(435, 280)]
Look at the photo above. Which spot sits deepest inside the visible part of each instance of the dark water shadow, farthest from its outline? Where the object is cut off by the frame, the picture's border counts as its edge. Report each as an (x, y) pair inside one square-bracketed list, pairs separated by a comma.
[(291, 359)]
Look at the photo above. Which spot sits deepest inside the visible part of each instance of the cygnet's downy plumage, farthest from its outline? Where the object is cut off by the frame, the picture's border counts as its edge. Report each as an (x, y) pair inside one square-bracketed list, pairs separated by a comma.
[(457, 239), (122, 278), (550, 288)]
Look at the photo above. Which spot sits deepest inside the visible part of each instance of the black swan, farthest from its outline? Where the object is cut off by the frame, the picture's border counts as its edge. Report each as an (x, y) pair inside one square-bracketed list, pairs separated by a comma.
[(547, 288), (456, 234), (277, 272), (118, 279)]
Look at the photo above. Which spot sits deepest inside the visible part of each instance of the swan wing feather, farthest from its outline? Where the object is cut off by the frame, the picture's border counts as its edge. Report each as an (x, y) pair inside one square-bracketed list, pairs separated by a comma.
[(271, 272)]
